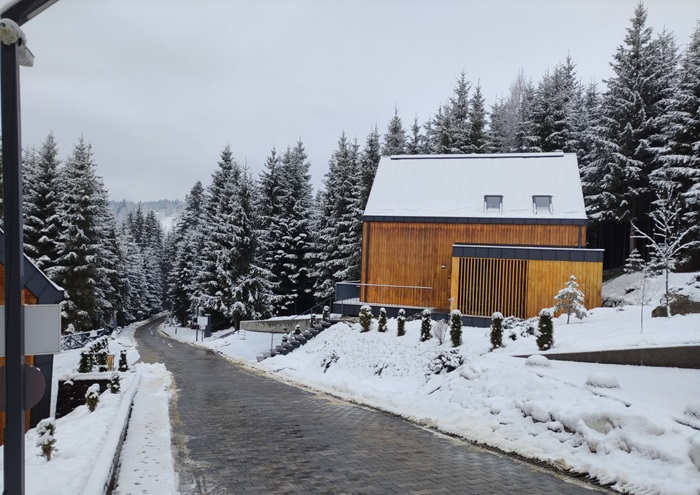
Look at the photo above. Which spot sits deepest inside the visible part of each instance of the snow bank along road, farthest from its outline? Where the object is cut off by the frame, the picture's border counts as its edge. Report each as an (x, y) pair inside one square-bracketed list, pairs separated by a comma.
[(239, 432)]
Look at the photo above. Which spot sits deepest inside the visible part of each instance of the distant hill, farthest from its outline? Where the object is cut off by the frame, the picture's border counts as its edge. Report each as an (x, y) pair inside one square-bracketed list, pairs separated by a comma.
[(167, 210)]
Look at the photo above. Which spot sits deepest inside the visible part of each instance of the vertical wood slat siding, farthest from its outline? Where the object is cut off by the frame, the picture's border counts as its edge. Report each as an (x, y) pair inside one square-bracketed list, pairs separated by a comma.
[(411, 254), (489, 285), (547, 278)]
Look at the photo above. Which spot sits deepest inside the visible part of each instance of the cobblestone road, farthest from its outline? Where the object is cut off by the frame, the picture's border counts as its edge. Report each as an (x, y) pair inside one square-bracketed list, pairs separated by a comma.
[(236, 432)]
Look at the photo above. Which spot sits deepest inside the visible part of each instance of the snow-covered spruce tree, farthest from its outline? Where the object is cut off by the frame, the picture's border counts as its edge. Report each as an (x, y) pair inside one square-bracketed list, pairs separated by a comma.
[(570, 300), (635, 262), (382, 320), (617, 179), (438, 132), (496, 330), (680, 133), (45, 437), (337, 244), (460, 125), (426, 325), (668, 239), (80, 268), (186, 247), (395, 137), (545, 330), (478, 132), (114, 383), (456, 327), (42, 205), (365, 318), (92, 397), (401, 323), (292, 263), (511, 127), (415, 142)]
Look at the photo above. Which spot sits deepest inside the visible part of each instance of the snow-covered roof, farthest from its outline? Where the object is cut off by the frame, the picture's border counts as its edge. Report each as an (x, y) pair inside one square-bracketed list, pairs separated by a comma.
[(455, 186)]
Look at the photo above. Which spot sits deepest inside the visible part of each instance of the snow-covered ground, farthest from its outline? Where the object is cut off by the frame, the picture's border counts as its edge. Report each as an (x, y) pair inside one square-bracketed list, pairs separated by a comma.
[(86, 441), (642, 437)]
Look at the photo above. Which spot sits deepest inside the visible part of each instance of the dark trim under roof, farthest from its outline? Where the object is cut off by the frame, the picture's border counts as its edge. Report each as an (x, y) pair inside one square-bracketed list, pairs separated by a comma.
[(35, 281), (527, 253), (481, 220)]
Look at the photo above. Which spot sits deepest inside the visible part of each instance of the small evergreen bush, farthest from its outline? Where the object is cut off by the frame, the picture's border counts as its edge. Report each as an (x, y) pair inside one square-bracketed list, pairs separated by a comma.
[(123, 364), (426, 325), (101, 359), (92, 396), (326, 316), (45, 440), (365, 318), (86, 361), (115, 383), (545, 330), (382, 321), (312, 321), (456, 328), (446, 361), (570, 300), (496, 330), (401, 323)]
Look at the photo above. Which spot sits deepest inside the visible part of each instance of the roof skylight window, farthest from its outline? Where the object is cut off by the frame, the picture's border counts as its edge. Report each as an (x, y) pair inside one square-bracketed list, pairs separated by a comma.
[(493, 204), (542, 205)]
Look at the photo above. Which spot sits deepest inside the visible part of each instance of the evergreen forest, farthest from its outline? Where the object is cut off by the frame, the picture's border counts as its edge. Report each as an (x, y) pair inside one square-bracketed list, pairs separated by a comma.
[(249, 247)]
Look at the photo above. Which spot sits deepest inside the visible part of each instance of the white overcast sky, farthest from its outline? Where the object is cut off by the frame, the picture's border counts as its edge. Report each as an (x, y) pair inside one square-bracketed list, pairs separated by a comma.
[(158, 87)]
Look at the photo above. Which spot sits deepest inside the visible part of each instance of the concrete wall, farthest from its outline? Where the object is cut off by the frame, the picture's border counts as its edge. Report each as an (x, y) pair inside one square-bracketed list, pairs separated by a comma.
[(277, 325), (668, 357)]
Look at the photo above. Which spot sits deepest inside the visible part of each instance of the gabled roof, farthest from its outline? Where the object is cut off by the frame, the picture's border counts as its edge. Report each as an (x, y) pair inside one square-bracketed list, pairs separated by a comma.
[(35, 281), (443, 187)]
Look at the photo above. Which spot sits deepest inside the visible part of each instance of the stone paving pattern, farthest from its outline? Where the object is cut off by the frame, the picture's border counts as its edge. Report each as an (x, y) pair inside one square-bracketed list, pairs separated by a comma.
[(238, 432)]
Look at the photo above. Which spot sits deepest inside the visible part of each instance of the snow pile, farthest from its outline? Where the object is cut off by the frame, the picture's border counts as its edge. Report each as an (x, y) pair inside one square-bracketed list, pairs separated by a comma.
[(538, 360), (601, 379)]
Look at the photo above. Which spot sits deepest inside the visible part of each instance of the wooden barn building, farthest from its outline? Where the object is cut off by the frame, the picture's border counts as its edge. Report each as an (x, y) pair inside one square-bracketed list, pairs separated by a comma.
[(38, 289), (478, 233)]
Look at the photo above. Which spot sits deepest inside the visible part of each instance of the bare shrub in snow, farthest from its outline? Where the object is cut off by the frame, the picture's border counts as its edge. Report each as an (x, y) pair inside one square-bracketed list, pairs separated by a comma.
[(401, 323), (440, 331), (456, 328), (545, 330), (328, 360), (426, 325), (602, 379), (446, 361), (538, 360), (496, 330), (92, 396), (365, 318), (382, 320), (45, 430), (693, 409)]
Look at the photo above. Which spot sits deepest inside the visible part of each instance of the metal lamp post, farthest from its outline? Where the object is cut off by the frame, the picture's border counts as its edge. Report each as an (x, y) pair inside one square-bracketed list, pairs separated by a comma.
[(13, 52)]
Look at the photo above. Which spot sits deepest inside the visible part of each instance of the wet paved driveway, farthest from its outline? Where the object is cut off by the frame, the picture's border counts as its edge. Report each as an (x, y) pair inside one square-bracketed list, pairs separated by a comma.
[(236, 432)]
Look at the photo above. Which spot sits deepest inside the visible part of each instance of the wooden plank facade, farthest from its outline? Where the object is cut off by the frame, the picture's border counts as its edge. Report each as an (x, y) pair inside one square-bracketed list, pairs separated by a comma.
[(402, 262)]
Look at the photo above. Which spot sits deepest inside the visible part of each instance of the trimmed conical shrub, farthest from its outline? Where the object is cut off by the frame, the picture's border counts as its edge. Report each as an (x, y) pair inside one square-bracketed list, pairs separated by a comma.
[(545, 330)]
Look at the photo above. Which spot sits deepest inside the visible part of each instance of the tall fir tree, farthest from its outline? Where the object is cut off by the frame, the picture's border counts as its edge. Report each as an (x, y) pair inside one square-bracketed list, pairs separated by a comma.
[(42, 205), (395, 137), (81, 268), (478, 132)]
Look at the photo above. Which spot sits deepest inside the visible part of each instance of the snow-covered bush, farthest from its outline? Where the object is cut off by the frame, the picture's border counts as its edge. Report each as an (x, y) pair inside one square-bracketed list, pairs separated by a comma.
[(365, 318), (456, 328), (440, 331), (570, 300), (602, 379), (401, 323), (115, 383), (45, 440), (426, 325), (496, 330), (123, 364), (693, 409), (86, 361), (92, 396), (101, 359), (545, 330), (326, 315), (447, 361), (312, 321), (538, 360), (328, 360), (382, 320)]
